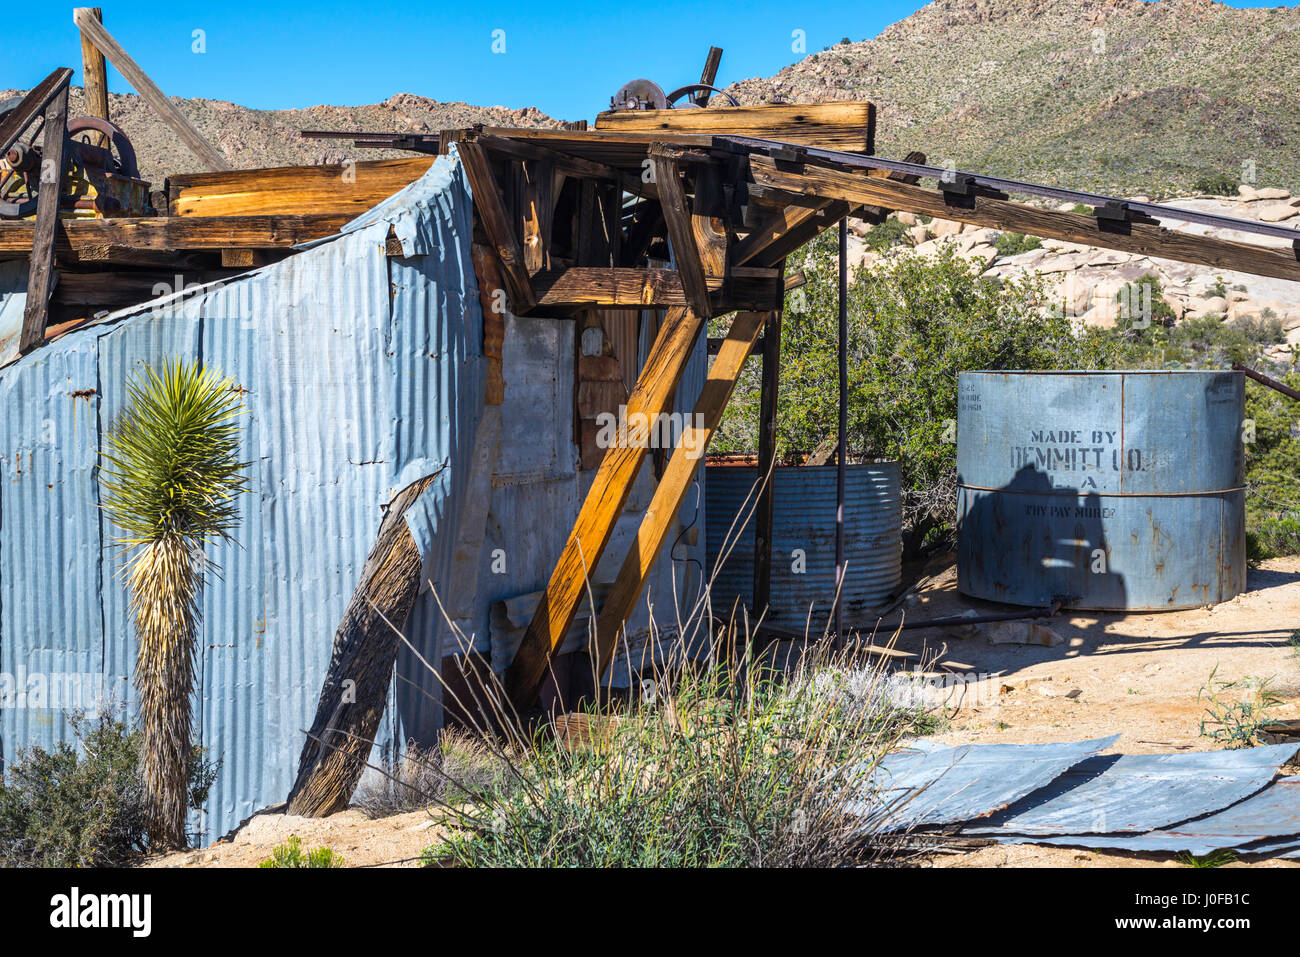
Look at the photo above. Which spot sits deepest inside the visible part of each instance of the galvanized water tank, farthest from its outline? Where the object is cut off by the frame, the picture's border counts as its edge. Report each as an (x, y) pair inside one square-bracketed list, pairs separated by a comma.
[(1105, 490), (803, 541)]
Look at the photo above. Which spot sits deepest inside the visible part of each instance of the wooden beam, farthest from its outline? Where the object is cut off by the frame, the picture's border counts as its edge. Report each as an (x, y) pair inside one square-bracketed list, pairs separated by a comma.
[(491, 292), (88, 240), (539, 213), (677, 214), (40, 275), (1142, 238), (581, 286), (31, 106), (708, 75), (774, 229), (94, 73), (840, 125), (675, 483), (801, 232), (167, 111), (568, 164), (653, 394), (491, 208), (293, 190), (353, 695)]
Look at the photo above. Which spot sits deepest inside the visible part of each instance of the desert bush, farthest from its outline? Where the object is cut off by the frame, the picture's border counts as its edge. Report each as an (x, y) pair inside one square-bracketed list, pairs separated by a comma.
[(727, 765), (83, 804), (1013, 244), (1236, 710), (1215, 184), (291, 854)]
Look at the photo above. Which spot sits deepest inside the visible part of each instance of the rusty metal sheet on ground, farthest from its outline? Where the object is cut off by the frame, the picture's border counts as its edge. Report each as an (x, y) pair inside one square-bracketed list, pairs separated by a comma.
[(1267, 822), (939, 784), (1136, 793)]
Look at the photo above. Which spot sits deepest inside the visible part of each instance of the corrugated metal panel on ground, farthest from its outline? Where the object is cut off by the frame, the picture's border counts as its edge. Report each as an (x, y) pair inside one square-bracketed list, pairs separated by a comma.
[(358, 380), (938, 784), (1268, 822), (803, 541), (1141, 792)]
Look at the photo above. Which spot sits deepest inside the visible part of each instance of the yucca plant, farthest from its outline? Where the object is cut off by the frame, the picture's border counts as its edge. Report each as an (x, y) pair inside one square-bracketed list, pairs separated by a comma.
[(170, 478)]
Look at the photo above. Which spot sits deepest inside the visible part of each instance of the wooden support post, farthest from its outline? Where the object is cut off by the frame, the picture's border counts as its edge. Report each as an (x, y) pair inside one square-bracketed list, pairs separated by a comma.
[(539, 213), (768, 233), (667, 171), (708, 75), (167, 111), (653, 395), (40, 274), (675, 482), (491, 208), (764, 508), (94, 76), (361, 667)]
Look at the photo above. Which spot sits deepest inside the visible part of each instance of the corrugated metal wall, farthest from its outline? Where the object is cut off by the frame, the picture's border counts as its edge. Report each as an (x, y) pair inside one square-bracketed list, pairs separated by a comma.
[(363, 373)]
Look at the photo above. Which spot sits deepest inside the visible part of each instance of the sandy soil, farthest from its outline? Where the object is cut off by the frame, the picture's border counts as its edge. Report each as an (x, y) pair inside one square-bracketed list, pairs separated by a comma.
[(1135, 675)]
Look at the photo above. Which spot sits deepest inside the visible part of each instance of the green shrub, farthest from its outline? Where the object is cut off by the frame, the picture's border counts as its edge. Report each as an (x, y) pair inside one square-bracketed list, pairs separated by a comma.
[(1235, 723), (883, 235), (291, 854), (723, 768), (1142, 305), (83, 805), (1216, 184), (1013, 244)]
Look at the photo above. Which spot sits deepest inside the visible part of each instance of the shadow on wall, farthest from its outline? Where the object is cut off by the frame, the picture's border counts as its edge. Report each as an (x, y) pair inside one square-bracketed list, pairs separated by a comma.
[(1032, 543)]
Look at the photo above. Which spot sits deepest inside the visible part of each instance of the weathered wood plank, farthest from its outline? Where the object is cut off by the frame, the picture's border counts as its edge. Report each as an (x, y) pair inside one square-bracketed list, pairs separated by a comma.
[(94, 73), (81, 239), (654, 393), (1141, 238), (774, 229), (167, 111), (496, 221), (580, 286), (353, 696), (677, 214), (40, 277), (675, 483), (840, 125), (491, 293), (293, 190)]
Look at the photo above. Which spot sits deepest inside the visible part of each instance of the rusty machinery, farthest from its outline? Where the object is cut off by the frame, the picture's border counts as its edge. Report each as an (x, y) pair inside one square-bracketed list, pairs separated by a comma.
[(101, 177), (647, 95)]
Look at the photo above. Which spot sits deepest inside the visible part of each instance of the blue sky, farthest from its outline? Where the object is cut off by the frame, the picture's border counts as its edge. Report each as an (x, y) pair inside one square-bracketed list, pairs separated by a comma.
[(568, 62)]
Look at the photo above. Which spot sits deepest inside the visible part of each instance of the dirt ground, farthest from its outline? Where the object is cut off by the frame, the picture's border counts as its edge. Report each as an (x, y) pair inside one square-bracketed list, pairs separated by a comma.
[(1137, 675)]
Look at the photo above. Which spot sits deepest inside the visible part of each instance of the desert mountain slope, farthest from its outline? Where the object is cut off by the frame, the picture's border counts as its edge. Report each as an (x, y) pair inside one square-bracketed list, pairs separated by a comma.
[(1125, 96)]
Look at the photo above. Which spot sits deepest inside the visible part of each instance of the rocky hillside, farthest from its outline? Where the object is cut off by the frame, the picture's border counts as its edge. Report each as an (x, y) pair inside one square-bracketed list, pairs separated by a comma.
[(255, 138), (1124, 96)]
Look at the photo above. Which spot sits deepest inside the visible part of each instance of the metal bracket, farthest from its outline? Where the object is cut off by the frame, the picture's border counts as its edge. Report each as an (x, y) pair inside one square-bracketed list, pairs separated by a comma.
[(959, 190), (789, 155)]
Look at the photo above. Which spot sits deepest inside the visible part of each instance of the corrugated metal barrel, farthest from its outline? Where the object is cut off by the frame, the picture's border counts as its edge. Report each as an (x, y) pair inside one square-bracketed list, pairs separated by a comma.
[(1106, 490), (803, 540)]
